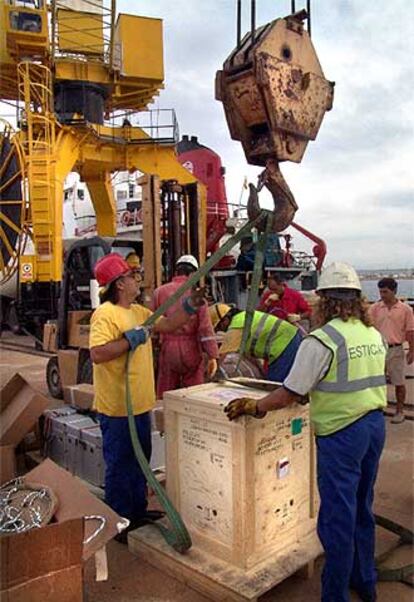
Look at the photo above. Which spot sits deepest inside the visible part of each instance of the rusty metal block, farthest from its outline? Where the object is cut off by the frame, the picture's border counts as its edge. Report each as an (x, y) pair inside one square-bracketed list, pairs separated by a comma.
[(274, 92)]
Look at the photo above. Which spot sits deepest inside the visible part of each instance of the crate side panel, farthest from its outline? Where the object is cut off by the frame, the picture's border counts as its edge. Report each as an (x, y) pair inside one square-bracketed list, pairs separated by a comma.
[(205, 475), (281, 477)]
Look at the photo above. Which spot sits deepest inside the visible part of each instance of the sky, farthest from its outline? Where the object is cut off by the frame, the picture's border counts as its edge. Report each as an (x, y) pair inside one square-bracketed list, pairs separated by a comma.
[(355, 184)]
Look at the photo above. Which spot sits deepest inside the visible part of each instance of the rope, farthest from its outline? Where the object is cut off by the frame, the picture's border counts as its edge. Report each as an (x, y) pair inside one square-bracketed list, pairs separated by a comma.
[(406, 537)]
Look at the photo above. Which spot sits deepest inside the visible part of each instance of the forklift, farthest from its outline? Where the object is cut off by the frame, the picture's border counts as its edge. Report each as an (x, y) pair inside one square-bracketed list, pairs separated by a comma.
[(68, 335), (181, 212)]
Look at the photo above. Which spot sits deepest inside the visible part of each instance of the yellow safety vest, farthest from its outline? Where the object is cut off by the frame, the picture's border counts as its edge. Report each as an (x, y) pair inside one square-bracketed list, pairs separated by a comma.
[(269, 336), (355, 382)]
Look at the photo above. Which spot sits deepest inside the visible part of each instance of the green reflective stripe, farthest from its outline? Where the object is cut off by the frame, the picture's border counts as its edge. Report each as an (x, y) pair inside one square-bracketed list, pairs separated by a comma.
[(270, 337), (353, 385), (257, 332), (266, 340), (342, 353)]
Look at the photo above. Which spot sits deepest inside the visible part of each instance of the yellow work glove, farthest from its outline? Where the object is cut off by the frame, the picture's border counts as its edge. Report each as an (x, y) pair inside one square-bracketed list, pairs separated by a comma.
[(211, 367), (241, 406), (293, 318)]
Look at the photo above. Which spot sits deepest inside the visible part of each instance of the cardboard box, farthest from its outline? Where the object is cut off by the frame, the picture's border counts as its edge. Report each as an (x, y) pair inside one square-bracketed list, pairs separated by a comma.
[(75, 501), (43, 564), (80, 396), (78, 334), (50, 337), (245, 489), (7, 463), (32, 441), (20, 408), (68, 361)]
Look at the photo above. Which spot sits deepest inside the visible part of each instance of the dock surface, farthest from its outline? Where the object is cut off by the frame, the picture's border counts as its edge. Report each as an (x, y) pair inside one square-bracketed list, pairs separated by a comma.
[(132, 579)]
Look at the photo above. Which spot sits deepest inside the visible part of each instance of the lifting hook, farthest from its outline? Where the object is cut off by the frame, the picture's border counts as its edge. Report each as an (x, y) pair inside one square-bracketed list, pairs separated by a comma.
[(284, 202)]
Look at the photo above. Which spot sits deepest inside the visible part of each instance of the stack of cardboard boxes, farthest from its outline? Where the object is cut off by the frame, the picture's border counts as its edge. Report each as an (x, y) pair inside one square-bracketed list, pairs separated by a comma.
[(20, 408)]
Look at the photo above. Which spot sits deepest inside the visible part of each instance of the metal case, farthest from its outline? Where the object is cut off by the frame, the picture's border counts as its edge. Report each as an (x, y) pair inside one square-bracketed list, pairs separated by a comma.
[(91, 467), (55, 434), (75, 450), (74, 441)]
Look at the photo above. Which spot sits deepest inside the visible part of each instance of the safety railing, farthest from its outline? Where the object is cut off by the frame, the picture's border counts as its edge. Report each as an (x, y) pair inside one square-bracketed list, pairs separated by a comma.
[(161, 125), (84, 29)]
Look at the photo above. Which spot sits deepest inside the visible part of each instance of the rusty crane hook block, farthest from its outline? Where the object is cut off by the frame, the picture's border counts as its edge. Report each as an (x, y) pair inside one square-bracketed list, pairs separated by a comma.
[(284, 202), (275, 96)]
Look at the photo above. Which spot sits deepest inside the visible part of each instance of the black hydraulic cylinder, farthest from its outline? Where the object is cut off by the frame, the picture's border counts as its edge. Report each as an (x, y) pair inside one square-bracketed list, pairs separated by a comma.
[(83, 99)]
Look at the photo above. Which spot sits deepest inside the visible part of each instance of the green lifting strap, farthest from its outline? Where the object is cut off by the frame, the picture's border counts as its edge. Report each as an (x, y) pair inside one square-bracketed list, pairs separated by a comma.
[(205, 268), (177, 537), (254, 287), (406, 537)]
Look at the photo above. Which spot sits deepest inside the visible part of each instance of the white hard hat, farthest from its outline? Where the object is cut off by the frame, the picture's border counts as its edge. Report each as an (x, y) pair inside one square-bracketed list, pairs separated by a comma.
[(188, 259), (339, 276)]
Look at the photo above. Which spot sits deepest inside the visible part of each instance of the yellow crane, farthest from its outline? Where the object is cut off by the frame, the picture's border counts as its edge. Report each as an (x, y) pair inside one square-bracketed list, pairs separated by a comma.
[(72, 68)]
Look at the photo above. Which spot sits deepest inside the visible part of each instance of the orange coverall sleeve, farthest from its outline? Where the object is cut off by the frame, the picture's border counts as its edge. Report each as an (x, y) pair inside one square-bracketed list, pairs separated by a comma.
[(206, 333)]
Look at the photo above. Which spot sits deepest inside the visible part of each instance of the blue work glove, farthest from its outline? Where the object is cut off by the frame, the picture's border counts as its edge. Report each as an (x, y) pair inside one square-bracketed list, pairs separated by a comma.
[(137, 336)]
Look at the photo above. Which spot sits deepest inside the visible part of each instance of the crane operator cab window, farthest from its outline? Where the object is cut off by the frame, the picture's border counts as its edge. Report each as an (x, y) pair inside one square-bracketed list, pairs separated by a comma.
[(21, 20), (79, 274)]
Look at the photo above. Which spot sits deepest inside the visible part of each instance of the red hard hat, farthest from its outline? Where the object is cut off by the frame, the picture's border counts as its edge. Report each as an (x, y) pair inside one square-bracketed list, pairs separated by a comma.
[(109, 268)]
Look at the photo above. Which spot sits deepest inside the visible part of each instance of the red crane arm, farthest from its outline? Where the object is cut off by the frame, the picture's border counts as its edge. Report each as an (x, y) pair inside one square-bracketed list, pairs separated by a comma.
[(319, 250)]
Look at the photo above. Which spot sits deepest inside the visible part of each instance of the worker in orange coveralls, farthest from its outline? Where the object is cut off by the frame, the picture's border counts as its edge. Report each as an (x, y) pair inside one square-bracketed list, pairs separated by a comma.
[(181, 361)]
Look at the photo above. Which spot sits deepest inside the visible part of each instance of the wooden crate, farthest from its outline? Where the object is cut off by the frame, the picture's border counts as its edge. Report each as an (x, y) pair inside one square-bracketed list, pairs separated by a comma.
[(245, 489)]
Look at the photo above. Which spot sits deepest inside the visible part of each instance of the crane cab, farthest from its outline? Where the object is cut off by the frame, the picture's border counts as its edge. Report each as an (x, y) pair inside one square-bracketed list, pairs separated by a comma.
[(25, 26)]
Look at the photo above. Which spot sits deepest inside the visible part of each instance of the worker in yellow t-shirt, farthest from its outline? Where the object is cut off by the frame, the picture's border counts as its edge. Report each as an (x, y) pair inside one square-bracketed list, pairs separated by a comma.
[(115, 331)]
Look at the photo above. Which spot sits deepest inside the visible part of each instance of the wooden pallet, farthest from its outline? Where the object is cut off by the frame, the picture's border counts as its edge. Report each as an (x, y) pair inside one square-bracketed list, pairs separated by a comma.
[(216, 579)]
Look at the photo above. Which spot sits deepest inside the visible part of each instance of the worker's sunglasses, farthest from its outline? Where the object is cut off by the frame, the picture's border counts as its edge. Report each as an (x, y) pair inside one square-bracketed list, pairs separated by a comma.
[(135, 274)]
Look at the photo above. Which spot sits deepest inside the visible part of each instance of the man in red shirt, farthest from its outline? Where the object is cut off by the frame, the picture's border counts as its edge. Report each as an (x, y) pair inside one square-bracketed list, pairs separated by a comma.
[(282, 301), (395, 321), (181, 361)]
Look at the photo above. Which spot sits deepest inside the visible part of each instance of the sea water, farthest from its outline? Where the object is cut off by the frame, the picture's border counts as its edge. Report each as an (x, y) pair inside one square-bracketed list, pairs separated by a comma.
[(405, 289)]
